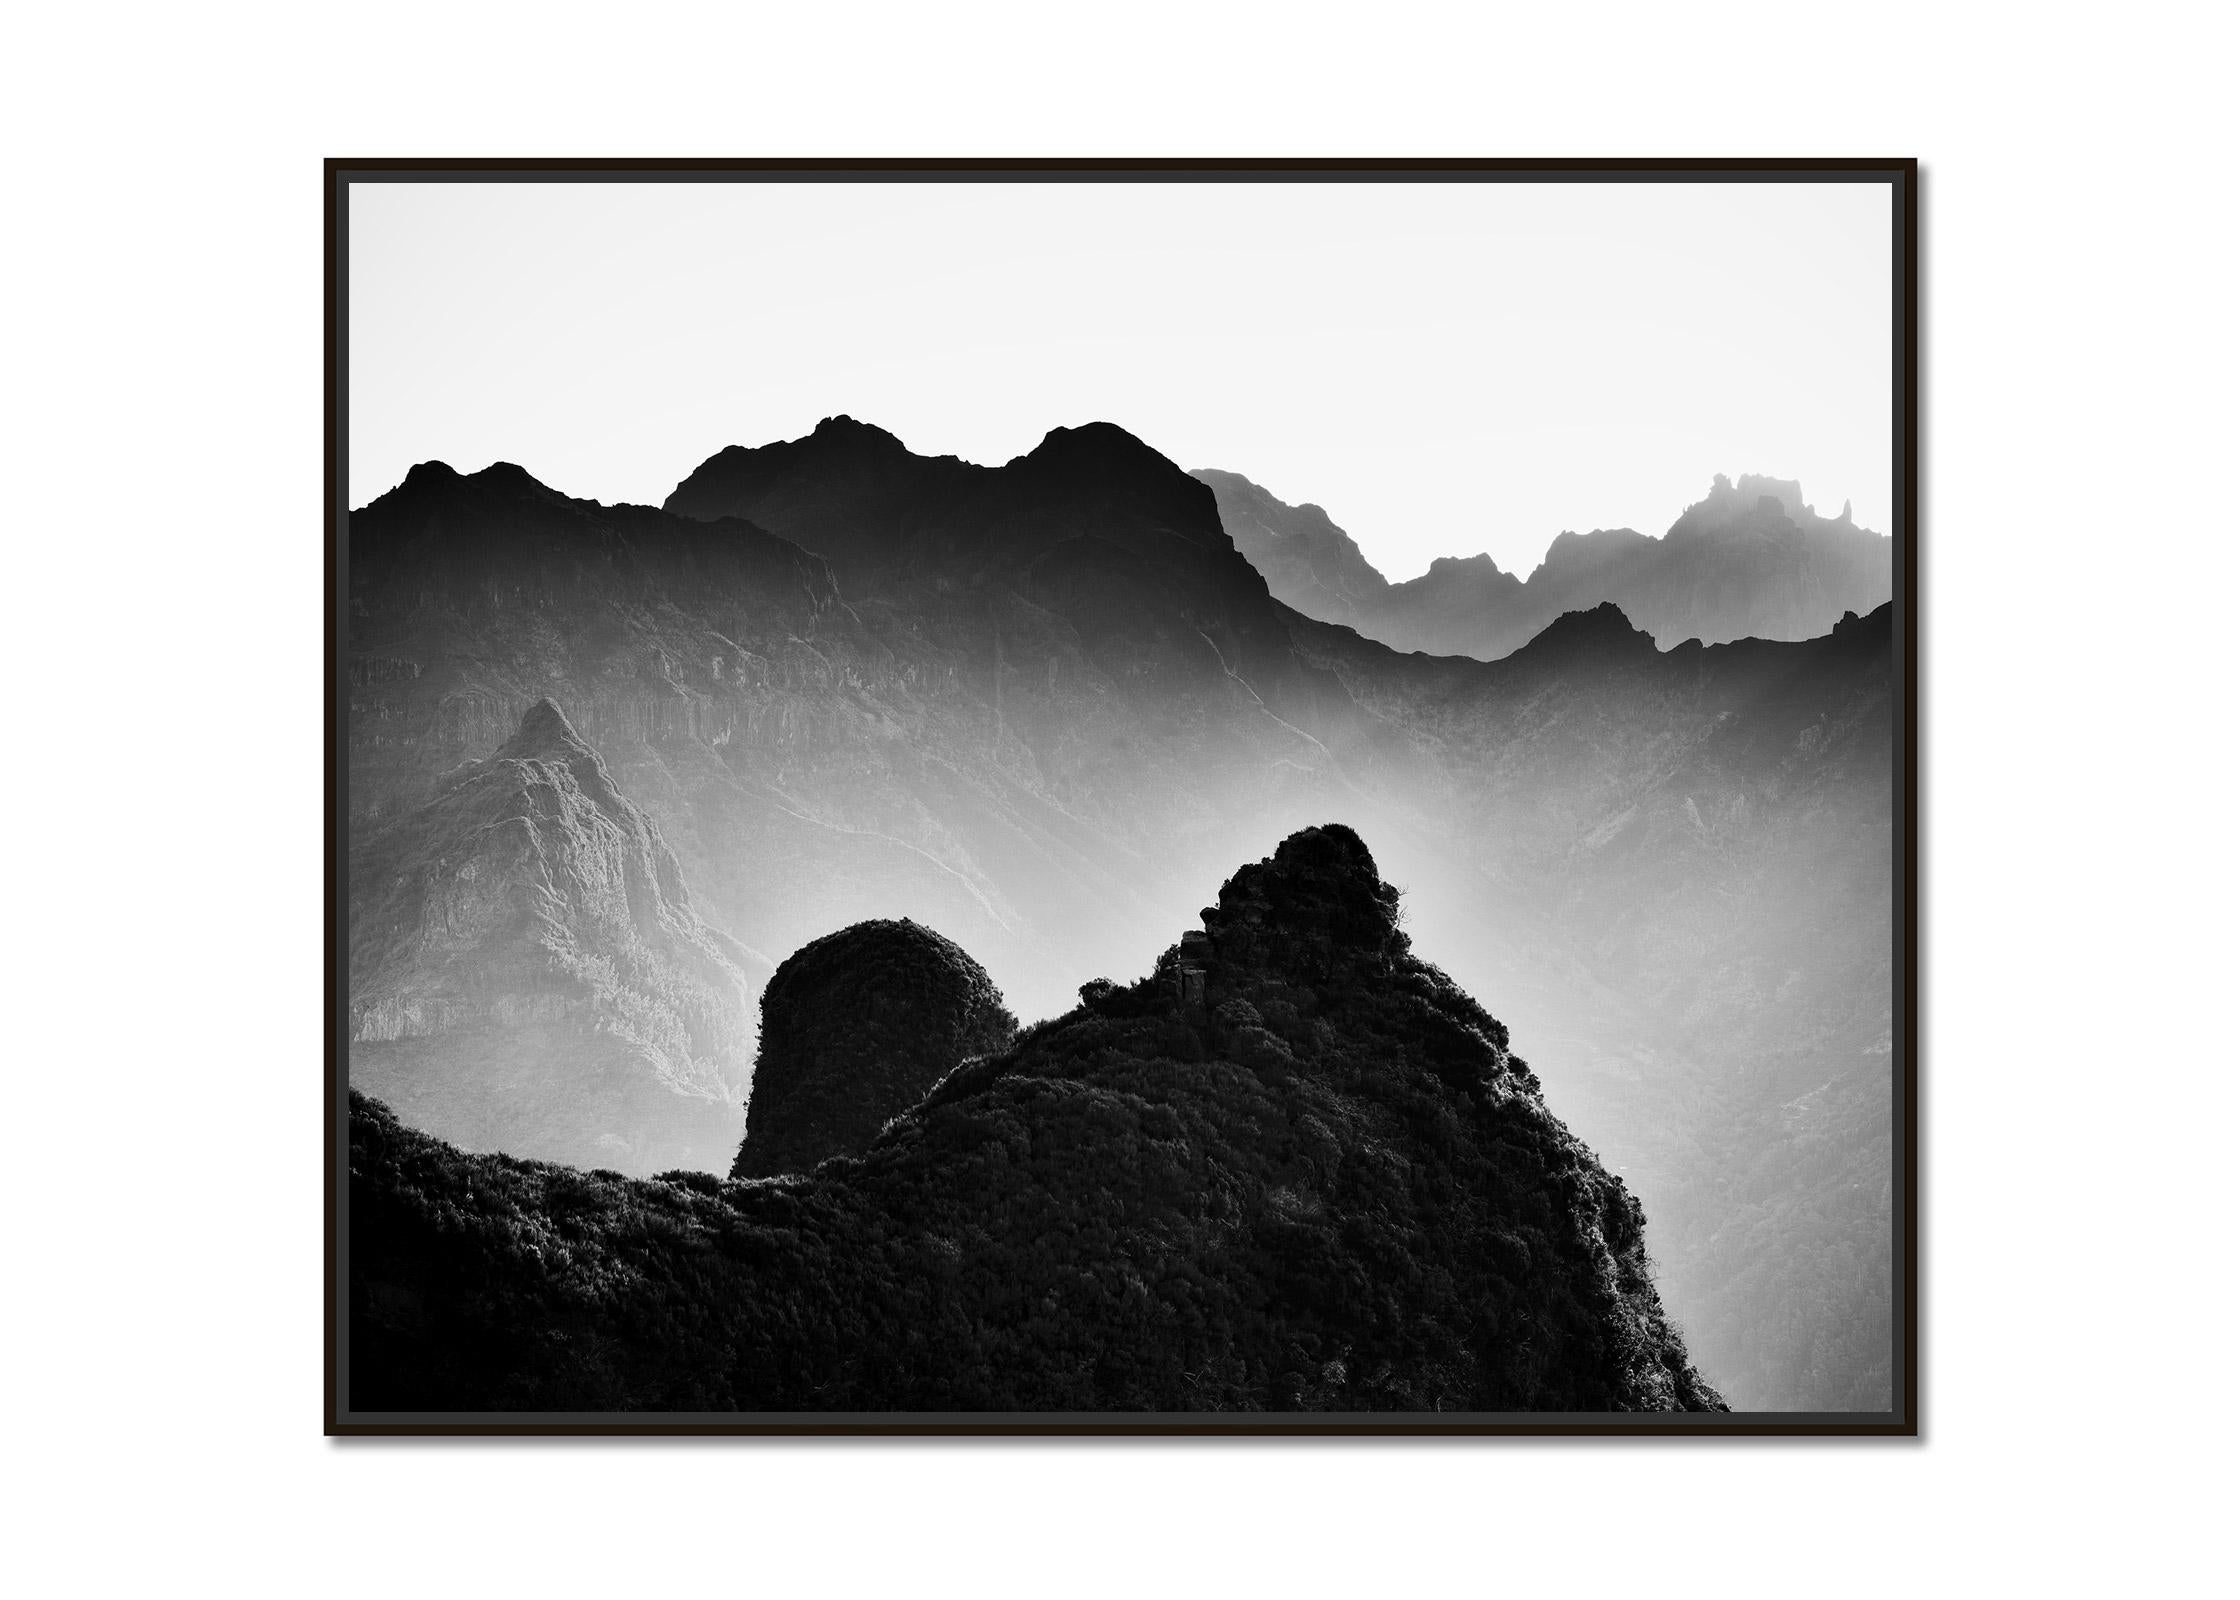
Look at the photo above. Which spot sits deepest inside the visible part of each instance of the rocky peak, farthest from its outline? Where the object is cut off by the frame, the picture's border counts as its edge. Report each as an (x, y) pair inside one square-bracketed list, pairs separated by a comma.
[(429, 475), (1481, 563), (545, 732), (546, 735), (443, 483), (1572, 555), (1752, 499), (1101, 443), (844, 428), (509, 478), (1787, 493), (1313, 911), (1602, 634)]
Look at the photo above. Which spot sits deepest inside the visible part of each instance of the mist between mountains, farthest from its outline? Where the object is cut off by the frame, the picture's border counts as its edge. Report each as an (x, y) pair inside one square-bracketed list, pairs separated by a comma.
[(881, 933)]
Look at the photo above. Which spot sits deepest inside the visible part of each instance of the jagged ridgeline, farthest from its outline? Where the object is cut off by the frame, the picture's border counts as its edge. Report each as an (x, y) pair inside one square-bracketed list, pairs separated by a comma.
[(1294, 1168), (1749, 560), (528, 972)]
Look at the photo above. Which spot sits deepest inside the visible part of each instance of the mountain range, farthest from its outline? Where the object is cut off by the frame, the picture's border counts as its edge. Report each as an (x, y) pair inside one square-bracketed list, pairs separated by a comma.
[(1034, 708), (1749, 560), (1292, 1168)]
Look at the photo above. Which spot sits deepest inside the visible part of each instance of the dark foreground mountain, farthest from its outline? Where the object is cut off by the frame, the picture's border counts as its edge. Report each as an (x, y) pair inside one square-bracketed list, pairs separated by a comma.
[(1294, 1168), (1038, 707), (528, 973), (856, 1027), (1748, 561)]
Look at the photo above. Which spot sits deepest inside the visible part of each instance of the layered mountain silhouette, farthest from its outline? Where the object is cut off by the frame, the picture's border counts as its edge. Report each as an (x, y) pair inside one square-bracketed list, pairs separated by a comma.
[(1749, 560), (1036, 707), (1294, 1168), (529, 974)]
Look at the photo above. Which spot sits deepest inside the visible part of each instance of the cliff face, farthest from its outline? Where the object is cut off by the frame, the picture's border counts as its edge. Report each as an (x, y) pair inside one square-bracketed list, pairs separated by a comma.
[(1295, 1168), (1748, 561), (528, 973), (856, 1027)]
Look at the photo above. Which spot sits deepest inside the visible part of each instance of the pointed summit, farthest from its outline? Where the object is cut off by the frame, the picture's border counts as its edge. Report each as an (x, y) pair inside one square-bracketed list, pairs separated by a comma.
[(846, 429), (1094, 441), (430, 474), (1599, 635), (545, 733)]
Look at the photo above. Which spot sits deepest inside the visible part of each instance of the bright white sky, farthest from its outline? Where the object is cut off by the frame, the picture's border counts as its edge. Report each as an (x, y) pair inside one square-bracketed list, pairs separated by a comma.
[(1445, 368)]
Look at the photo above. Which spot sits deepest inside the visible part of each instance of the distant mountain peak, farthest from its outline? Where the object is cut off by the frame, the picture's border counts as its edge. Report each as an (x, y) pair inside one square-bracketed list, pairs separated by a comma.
[(502, 476), (1607, 619), (1096, 441), (546, 735), (844, 430), (508, 475), (1602, 633), (426, 474), (545, 731), (1749, 493)]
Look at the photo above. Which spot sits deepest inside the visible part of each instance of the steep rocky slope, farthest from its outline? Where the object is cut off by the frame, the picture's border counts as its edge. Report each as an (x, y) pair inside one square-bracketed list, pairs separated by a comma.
[(1749, 560), (528, 973), (1294, 1168), (856, 1027)]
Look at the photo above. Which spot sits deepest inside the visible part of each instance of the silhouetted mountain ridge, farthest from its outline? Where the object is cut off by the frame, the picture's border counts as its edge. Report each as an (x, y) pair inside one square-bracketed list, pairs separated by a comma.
[(1749, 560), (1295, 1168)]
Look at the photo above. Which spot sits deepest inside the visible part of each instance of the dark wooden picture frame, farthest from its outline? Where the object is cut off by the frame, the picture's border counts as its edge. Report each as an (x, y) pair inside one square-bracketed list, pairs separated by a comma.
[(1903, 1419)]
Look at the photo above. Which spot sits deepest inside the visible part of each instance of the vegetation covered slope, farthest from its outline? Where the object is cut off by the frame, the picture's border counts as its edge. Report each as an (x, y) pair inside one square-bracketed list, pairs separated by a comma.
[(856, 1027), (1294, 1168)]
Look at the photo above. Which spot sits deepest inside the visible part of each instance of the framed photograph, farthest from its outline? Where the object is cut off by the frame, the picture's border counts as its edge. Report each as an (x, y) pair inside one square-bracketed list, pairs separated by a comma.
[(1099, 797)]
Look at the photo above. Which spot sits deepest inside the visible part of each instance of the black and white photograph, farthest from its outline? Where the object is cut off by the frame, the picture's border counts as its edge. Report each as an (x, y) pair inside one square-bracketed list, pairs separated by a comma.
[(1209, 799), (1082, 798)]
